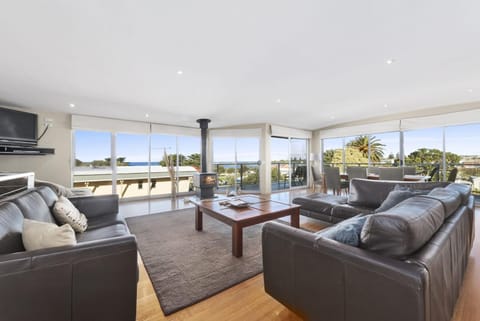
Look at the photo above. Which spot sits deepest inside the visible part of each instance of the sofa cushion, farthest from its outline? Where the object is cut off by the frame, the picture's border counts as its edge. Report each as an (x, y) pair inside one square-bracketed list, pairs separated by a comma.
[(34, 207), (318, 202), (11, 224), (463, 189), (40, 235), (102, 233), (347, 231), (404, 228), (66, 213), (105, 220), (48, 195), (346, 211), (396, 196), (450, 199), (371, 193)]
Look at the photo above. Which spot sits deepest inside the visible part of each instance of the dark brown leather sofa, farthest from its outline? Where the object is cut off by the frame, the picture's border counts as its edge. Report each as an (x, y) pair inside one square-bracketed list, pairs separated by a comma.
[(322, 279), (95, 280), (365, 196)]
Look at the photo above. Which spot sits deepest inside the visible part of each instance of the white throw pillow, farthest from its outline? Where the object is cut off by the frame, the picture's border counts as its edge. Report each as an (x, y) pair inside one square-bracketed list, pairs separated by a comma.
[(65, 212), (40, 235)]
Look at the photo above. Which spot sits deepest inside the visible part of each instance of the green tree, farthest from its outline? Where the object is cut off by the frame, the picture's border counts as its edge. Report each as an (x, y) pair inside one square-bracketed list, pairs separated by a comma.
[(78, 162), (100, 163), (108, 161), (352, 156), (173, 159), (426, 158), (192, 160), (376, 147), (220, 169), (121, 161), (328, 156)]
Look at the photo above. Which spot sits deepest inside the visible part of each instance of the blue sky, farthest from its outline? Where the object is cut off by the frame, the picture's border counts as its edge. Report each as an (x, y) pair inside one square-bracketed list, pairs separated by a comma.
[(248, 149), (90, 145)]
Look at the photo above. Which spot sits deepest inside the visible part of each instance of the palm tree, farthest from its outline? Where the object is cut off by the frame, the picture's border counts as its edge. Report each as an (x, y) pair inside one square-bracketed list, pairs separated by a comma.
[(376, 147)]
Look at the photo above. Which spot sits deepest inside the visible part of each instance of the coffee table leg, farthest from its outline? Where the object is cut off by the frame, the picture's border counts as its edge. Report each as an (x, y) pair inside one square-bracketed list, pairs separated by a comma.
[(198, 219), (237, 240), (295, 218)]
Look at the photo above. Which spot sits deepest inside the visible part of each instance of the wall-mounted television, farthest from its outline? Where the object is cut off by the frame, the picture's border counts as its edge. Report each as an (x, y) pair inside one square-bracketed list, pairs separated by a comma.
[(18, 127)]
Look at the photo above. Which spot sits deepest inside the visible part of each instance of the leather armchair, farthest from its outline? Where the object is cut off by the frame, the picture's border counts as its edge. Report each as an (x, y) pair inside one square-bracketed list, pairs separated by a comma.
[(95, 280)]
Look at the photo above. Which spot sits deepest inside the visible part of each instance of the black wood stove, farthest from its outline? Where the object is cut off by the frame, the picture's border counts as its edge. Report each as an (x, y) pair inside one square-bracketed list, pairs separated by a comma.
[(204, 183)]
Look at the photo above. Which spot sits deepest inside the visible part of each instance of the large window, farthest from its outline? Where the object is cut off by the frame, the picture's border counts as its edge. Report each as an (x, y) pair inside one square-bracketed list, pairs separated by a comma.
[(235, 160), (463, 155), (138, 170), (424, 150), (92, 166), (363, 150), (132, 165), (280, 164), (384, 149), (333, 152), (444, 153), (288, 162), (298, 161)]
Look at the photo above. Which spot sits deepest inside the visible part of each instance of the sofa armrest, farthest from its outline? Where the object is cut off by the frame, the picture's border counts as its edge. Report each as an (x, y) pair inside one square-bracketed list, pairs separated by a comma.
[(326, 278), (93, 206), (91, 281), (471, 215)]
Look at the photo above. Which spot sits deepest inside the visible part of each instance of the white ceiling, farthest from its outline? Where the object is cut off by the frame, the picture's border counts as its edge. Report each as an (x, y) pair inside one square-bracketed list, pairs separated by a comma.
[(303, 64)]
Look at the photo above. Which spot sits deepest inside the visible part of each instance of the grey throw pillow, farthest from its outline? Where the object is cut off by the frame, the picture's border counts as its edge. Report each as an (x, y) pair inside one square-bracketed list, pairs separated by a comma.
[(347, 232), (397, 196)]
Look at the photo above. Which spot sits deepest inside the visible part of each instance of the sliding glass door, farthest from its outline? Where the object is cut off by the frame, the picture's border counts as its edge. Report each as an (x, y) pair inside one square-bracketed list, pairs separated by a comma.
[(298, 162), (92, 167), (235, 160), (139, 167), (132, 165), (289, 163)]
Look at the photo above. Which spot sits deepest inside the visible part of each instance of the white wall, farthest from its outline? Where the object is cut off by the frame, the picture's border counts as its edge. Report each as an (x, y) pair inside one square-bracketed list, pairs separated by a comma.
[(55, 168)]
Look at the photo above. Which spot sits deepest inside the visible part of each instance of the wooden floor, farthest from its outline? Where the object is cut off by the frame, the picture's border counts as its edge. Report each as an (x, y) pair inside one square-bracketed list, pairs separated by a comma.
[(248, 300)]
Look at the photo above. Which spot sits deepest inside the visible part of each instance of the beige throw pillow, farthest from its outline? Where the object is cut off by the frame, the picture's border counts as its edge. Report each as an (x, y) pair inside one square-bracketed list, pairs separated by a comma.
[(40, 235), (65, 212)]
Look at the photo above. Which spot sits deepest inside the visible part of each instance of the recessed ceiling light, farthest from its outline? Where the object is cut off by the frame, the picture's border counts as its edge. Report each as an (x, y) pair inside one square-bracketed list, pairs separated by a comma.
[(389, 61), (179, 72), (385, 105), (147, 115), (470, 90), (71, 105), (332, 117), (278, 101)]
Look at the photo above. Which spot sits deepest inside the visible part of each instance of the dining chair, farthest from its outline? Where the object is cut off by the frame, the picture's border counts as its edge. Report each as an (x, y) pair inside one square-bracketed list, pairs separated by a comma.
[(433, 172), (409, 170), (356, 172), (317, 178), (333, 181), (452, 176), (391, 173)]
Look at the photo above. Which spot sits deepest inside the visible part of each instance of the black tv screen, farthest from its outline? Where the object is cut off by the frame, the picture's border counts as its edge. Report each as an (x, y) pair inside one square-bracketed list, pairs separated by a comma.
[(17, 127)]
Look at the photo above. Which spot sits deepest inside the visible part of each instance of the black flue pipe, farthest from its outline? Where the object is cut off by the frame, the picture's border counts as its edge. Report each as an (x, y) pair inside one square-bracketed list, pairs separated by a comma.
[(204, 126)]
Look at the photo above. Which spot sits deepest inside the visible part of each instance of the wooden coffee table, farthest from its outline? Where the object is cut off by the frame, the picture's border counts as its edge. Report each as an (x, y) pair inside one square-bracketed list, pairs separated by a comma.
[(259, 210)]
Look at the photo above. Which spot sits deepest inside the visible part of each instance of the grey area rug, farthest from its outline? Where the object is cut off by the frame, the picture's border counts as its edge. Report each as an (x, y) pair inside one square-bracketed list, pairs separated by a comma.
[(187, 266)]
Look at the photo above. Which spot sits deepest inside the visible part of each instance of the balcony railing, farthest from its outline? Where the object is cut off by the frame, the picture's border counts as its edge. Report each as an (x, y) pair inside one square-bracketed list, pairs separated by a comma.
[(283, 177), (233, 176), (133, 181)]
